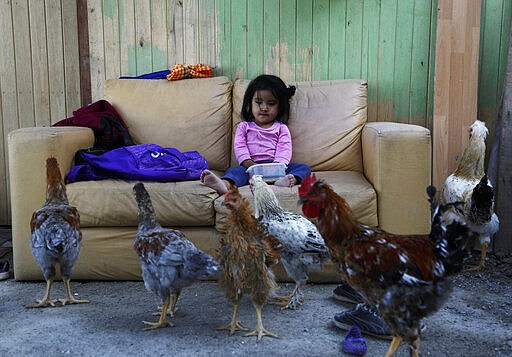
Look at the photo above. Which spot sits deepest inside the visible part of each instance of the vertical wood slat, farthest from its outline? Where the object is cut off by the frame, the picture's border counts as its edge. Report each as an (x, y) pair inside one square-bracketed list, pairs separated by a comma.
[(111, 29), (271, 37), (56, 60), (353, 40), (223, 36), (304, 38), (402, 62), (190, 32), (207, 32), (386, 60), (96, 48), (159, 34), (419, 84), (127, 38), (338, 23), (39, 63), (83, 52), (320, 40), (9, 101), (239, 39), (143, 37), (255, 26), (23, 64), (71, 57), (370, 48), (179, 31), (287, 40), (455, 102)]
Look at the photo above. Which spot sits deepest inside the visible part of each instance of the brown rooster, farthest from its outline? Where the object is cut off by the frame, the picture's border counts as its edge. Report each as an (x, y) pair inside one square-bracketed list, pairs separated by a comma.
[(402, 275), (169, 261), (470, 185), (56, 237), (246, 253)]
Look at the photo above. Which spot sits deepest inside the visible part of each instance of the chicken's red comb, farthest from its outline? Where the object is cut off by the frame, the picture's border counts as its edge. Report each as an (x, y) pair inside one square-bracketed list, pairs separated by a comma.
[(306, 185)]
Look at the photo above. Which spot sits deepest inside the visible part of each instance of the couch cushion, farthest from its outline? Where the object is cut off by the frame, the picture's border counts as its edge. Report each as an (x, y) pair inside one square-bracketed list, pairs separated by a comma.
[(110, 203), (326, 119), (191, 114), (351, 185)]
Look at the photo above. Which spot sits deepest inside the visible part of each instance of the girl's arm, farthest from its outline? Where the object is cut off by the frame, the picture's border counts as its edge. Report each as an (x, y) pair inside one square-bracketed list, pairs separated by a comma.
[(240, 145), (284, 146)]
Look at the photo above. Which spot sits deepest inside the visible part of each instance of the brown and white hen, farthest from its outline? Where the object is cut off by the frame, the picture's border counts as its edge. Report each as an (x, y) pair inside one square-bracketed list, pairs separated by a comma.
[(56, 238), (469, 184)]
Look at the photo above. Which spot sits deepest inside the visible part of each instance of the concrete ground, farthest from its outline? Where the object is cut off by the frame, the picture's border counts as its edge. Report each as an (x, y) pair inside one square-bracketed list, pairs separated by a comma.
[(475, 321), (472, 323)]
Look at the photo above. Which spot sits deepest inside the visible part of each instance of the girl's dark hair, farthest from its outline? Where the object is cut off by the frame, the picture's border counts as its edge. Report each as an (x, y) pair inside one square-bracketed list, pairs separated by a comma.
[(278, 89)]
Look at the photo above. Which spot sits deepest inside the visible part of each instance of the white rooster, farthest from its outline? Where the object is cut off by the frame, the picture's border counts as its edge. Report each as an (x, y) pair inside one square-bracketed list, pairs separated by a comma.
[(469, 184), (303, 246)]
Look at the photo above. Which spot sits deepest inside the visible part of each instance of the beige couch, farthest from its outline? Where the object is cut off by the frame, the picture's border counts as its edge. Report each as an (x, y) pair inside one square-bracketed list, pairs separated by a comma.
[(381, 168)]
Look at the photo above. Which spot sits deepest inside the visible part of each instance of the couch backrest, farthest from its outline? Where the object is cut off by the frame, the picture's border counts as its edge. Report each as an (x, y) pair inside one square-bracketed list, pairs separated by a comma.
[(326, 120), (191, 114)]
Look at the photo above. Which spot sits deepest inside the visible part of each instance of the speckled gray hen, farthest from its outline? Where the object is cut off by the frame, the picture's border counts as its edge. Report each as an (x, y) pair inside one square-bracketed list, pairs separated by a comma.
[(56, 238), (169, 261)]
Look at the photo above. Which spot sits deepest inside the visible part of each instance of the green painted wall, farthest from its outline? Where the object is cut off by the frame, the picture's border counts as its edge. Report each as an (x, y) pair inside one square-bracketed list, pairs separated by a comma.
[(390, 43)]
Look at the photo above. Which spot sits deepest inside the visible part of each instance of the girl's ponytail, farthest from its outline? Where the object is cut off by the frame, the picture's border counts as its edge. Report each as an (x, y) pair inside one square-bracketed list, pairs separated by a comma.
[(291, 91)]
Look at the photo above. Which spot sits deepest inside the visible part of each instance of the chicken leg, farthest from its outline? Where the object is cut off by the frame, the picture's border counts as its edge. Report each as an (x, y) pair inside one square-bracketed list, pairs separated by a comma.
[(45, 301), (482, 258), (393, 346), (234, 325), (289, 301), (162, 322), (260, 330), (172, 310), (70, 298)]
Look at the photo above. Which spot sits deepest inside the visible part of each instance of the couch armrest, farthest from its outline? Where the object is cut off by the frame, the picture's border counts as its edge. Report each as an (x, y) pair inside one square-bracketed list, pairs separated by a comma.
[(397, 162), (28, 150)]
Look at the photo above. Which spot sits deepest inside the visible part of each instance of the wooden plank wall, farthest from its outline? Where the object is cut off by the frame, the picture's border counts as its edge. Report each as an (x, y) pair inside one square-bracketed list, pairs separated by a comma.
[(39, 71), (296, 39), (129, 38), (390, 46)]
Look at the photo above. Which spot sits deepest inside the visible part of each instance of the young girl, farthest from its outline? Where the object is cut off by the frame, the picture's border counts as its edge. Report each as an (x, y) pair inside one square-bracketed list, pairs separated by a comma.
[(262, 137)]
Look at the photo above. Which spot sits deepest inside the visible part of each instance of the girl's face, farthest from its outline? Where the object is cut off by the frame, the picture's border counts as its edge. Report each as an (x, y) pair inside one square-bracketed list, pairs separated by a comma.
[(264, 108)]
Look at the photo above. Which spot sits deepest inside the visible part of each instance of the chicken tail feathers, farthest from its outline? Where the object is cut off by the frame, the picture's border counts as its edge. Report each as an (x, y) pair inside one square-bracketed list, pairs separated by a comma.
[(482, 202), (431, 192), (450, 236), (53, 174)]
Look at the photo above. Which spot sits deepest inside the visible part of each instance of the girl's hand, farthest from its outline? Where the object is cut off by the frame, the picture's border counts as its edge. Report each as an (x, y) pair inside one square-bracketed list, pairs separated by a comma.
[(248, 163)]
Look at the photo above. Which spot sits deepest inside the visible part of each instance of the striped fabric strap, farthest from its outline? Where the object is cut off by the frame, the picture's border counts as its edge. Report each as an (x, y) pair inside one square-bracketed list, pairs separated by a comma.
[(179, 71)]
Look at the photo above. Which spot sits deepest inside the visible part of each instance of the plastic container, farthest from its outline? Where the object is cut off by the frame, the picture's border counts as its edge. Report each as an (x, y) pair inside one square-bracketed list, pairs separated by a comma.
[(271, 172)]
